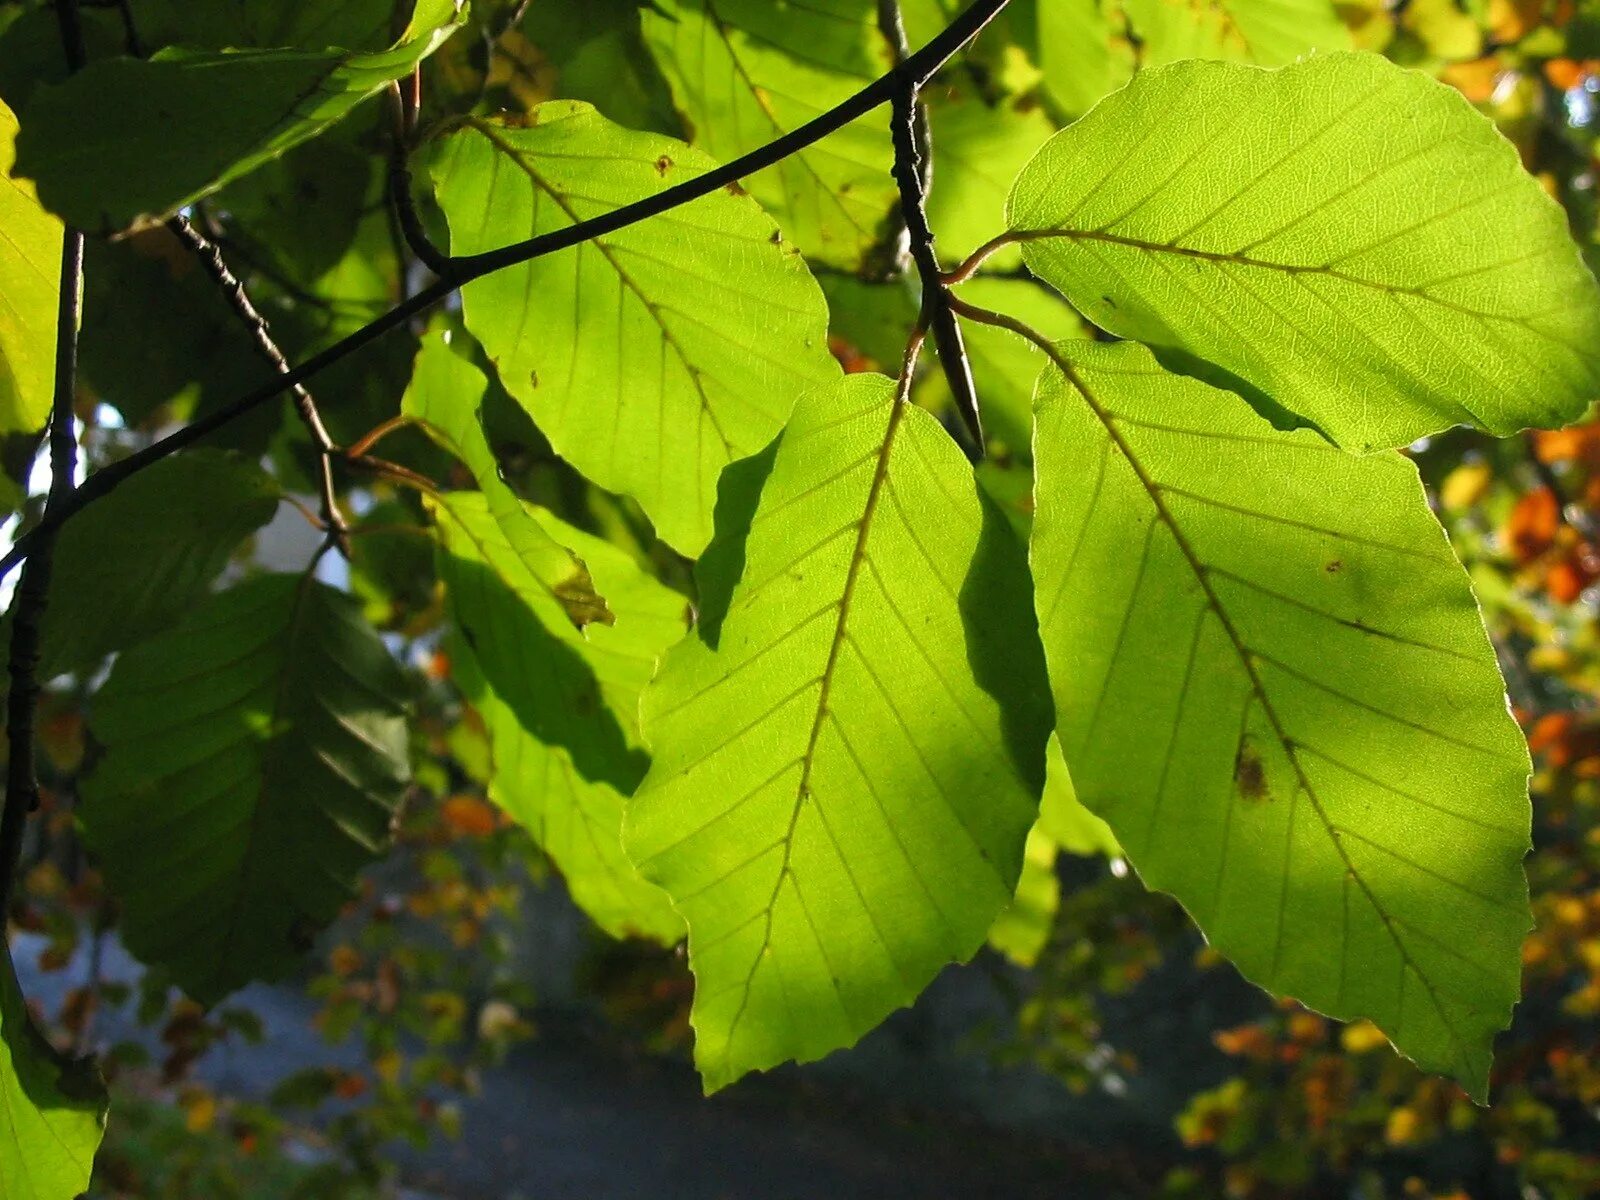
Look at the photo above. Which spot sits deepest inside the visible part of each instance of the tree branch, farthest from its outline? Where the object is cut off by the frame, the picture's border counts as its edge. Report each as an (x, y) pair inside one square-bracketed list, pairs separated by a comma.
[(916, 69), (913, 172), (33, 590), (404, 103), (232, 287)]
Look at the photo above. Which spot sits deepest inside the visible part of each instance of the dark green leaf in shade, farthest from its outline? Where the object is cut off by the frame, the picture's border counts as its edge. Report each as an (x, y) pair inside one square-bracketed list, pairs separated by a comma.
[(126, 138), (255, 755)]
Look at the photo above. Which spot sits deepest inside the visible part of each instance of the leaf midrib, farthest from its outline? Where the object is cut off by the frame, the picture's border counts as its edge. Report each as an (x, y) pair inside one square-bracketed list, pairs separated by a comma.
[(1295, 270), (858, 554)]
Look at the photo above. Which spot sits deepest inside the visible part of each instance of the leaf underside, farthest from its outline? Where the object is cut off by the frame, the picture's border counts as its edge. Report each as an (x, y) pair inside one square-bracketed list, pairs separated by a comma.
[(837, 804), (1266, 230), (30, 272), (1272, 680), (650, 357)]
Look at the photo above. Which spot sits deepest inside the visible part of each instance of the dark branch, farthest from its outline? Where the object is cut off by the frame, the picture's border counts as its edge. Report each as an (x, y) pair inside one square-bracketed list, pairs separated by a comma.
[(33, 590), (913, 172), (404, 102), (232, 288), (917, 69)]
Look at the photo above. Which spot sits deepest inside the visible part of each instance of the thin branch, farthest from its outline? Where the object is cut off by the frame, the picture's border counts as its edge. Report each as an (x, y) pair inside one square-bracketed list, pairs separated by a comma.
[(913, 171), (232, 287), (404, 103), (33, 590), (917, 69), (969, 267)]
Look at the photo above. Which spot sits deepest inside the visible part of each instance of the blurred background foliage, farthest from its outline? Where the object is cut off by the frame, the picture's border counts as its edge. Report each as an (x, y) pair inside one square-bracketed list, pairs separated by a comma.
[(1097, 1019)]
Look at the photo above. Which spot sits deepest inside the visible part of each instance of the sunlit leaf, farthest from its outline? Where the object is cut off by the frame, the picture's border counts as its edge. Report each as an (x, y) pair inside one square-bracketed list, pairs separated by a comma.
[(1340, 238), (650, 357), (1272, 680), (578, 820), (1021, 930), (445, 394), (53, 1111), (30, 275), (255, 755), (842, 784), (745, 72)]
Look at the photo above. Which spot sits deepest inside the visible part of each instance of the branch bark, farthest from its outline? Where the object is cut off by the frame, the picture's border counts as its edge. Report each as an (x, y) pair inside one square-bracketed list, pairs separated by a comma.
[(915, 70), (212, 262), (33, 590), (913, 173)]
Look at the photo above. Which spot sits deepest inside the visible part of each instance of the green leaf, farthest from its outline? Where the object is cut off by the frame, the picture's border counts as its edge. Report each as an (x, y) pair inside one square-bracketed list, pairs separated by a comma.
[(126, 138), (30, 284), (1268, 33), (578, 821), (842, 787), (255, 755), (1080, 56), (1342, 238), (1021, 930), (53, 1110), (1089, 47), (357, 24), (650, 357), (1063, 817), (138, 560), (978, 151), (745, 72), (445, 394), (1272, 680)]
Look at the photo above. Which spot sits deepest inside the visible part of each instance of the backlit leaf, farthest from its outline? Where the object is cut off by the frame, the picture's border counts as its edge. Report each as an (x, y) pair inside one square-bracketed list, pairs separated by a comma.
[(1340, 238), (1272, 679), (650, 357), (745, 72), (445, 393), (578, 820), (30, 275), (841, 788), (53, 1111)]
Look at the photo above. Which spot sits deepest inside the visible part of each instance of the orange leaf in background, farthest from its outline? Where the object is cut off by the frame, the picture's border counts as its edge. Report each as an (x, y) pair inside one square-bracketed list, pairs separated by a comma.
[(1563, 740), (468, 816), (1573, 572), (850, 358), (1475, 80), (1531, 528), (1512, 20), (1575, 443), (1563, 73)]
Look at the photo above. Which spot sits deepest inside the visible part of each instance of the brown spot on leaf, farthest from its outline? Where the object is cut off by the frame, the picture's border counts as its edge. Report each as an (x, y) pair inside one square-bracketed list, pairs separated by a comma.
[(1334, 567), (1249, 775), (663, 165)]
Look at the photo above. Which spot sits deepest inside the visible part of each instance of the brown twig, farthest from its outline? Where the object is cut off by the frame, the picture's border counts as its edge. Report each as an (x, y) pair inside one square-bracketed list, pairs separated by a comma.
[(232, 288), (913, 172)]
